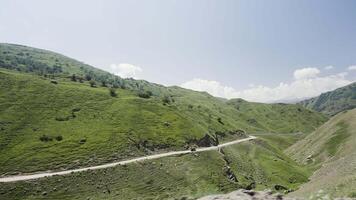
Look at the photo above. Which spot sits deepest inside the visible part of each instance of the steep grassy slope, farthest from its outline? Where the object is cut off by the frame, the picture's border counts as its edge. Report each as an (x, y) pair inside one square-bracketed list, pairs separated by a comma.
[(268, 116), (70, 124), (281, 140), (93, 125), (334, 101), (331, 149), (246, 165)]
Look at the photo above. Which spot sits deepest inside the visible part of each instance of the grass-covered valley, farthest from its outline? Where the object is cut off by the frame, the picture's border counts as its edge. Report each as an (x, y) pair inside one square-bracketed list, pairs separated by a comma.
[(57, 113)]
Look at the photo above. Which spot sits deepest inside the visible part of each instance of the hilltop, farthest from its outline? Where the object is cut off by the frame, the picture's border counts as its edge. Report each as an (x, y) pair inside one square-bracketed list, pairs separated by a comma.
[(333, 102)]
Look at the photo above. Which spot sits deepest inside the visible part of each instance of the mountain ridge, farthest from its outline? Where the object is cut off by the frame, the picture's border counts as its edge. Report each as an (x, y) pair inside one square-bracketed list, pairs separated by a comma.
[(334, 101)]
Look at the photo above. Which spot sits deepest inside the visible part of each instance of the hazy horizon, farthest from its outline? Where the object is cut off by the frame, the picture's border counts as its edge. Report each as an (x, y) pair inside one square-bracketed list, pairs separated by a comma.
[(265, 52)]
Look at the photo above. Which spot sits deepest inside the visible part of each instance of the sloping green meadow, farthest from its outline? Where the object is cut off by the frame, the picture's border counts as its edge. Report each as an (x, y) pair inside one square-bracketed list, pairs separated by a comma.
[(67, 124), (254, 164), (57, 113)]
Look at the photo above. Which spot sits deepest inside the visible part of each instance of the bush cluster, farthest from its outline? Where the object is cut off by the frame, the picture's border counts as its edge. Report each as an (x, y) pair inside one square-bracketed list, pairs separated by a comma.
[(48, 138), (112, 92), (167, 100), (145, 94)]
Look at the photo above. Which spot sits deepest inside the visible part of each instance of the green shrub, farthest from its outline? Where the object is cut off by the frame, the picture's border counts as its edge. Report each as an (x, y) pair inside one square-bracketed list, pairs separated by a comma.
[(81, 79), (92, 83), (220, 121), (54, 82), (113, 92), (145, 94), (73, 78), (59, 138), (75, 109), (87, 77), (167, 100), (46, 138), (62, 118), (82, 141)]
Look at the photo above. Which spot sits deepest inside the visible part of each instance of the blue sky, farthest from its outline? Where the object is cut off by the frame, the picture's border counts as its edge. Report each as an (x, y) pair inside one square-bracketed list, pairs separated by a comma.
[(249, 49)]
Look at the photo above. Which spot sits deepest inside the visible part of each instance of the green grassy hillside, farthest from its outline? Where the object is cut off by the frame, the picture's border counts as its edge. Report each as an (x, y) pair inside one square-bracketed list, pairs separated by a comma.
[(47, 63), (331, 149), (69, 124), (256, 164), (39, 61), (51, 119), (58, 113), (278, 117), (334, 101)]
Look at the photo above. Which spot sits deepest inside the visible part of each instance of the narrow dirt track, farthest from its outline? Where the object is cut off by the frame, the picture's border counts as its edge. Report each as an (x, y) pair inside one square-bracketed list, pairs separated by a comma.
[(150, 157)]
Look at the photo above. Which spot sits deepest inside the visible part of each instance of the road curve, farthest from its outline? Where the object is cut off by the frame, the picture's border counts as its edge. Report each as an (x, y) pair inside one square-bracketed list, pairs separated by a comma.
[(47, 174)]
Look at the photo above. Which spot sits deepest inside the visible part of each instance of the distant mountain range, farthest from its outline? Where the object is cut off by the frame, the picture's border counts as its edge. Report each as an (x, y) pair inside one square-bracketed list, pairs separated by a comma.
[(333, 102)]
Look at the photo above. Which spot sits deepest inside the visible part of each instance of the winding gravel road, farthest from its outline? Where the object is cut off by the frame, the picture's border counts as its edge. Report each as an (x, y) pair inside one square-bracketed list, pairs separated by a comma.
[(47, 174)]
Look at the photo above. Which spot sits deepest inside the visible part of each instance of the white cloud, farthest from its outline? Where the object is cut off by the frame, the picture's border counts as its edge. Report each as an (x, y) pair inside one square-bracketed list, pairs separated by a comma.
[(306, 73), (212, 87), (352, 67), (330, 67), (126, 70), (307, 84)]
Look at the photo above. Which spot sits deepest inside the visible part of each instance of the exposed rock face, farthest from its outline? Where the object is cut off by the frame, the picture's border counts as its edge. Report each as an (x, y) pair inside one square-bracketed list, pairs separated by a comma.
[(247, 195), (280, 187), (206, 141)]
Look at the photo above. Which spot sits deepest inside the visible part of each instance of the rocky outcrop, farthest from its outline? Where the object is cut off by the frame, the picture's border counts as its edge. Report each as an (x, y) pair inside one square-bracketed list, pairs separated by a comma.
[(227, 169), (247, 195), (207, 141)]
